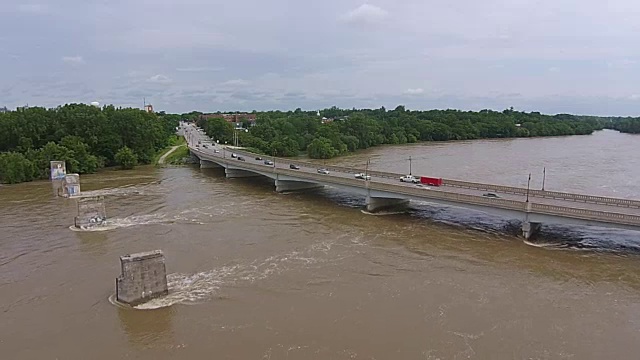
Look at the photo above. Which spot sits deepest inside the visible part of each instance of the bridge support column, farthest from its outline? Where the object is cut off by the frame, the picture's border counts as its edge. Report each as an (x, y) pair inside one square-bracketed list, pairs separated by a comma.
[(204, 164), (238, 173), (530, 229), (292, 185), (375, 204)]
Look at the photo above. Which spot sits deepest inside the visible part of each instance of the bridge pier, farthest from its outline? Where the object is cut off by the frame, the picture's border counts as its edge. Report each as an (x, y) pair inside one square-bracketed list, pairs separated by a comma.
[(375, 204), (530, 229), (238, 173), (204, 164), (292, 185)]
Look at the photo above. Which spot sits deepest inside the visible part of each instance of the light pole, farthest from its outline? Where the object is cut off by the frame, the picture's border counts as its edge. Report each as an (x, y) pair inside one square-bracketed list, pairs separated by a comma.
[(528, 183), (544, 176), (410, 173), (366, 169), (366, 173)]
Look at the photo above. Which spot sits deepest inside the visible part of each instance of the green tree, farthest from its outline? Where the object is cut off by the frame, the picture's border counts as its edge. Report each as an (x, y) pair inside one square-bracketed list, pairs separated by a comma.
[(321, 148), (15, 168), (126, 158), (87, 163)]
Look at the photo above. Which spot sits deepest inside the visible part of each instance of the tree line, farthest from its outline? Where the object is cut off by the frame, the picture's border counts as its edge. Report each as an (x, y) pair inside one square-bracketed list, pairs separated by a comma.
[(626, 125), (86, 137), (342, 130)]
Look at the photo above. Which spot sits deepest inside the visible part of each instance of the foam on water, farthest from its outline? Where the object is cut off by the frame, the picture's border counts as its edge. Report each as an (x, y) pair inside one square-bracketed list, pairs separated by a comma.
[(191, 289)]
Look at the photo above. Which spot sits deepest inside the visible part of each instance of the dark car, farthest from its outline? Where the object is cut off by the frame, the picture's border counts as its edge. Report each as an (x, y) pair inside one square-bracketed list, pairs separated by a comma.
[(491, 195), (258, 158), (241, 158), (268, 162), (294, 167)]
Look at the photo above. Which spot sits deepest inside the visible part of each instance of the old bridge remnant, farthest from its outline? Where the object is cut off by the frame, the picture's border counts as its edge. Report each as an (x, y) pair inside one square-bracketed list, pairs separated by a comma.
[(143, 277)]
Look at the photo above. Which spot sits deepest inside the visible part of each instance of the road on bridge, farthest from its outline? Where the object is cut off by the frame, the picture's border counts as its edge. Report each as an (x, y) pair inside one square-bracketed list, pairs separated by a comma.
[(195, 135)]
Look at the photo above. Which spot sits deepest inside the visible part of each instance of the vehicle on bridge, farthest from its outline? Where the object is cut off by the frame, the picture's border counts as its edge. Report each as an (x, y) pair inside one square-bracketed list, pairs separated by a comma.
[(431, 181), (362, 176), (491, 195), (241, 158), (234, 155), (410, 178), (258, 158), (323, 171), (216, 151), (268, 162), (294, 167)]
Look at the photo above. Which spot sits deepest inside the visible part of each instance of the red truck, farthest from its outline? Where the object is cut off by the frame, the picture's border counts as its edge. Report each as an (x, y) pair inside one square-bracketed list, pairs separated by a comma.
[(431, 181)]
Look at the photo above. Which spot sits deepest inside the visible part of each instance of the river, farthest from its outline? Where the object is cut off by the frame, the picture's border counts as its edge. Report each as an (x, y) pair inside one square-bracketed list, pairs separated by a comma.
[(260, 275)]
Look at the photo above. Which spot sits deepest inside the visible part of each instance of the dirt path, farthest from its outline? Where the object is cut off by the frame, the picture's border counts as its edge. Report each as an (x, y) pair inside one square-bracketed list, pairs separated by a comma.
[(163, 157)]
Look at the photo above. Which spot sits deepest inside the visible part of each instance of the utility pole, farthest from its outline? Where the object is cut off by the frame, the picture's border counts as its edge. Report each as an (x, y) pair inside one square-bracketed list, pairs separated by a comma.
[(528, 183), (366, 169), (544, 176), (410, 173)]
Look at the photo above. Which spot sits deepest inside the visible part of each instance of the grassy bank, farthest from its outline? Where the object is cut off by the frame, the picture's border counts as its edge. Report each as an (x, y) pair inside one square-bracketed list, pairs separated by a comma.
[(177, 157), (175, 140)]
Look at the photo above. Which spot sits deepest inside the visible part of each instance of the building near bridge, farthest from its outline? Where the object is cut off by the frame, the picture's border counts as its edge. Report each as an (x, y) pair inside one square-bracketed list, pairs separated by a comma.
[(236, 119)]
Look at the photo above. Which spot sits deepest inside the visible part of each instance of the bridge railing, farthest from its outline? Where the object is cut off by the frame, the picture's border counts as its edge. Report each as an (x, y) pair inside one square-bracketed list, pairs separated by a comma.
[(586, 214), (543, 193)]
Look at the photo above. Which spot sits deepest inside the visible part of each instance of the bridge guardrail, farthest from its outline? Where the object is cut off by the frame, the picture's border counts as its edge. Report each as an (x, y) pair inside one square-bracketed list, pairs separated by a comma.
[(544, 193), (586, 214)]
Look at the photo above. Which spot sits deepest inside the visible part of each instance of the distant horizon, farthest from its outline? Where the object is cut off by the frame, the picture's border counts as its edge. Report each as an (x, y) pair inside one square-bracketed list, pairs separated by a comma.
[(157, 110)]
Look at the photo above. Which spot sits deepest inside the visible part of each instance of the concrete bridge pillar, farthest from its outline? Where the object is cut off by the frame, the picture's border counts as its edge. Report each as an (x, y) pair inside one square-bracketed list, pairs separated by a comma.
[(205, 164), (375, 204), (239, 173), (530, 229), (143, 277), (292, 185)]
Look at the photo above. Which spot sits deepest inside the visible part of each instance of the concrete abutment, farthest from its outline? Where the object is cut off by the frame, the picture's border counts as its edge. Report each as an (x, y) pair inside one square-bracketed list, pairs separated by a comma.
[(376, 204), (204, 164), (530, 229)]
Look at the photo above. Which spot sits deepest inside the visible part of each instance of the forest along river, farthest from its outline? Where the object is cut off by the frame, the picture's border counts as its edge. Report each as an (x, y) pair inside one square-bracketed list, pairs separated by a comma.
[(260, 275)]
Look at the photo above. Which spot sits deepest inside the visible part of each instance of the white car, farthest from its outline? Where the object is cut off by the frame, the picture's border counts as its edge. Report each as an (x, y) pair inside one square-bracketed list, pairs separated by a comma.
[(323, 171), (362, 176), (410, 178)]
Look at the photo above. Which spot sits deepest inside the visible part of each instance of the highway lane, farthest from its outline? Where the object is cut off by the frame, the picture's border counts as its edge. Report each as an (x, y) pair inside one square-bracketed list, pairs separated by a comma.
[(281, 163)]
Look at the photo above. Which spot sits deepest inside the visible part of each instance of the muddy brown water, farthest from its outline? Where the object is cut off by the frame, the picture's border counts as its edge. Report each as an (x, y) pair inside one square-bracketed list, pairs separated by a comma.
[(260, 275)]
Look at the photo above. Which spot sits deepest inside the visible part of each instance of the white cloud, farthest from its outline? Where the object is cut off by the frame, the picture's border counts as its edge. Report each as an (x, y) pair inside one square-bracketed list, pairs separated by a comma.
[(635, 97), (621, 64), (199, 69), (416, 91), (32, 8), (554, 69), (236, 82), (74, 60), (159, 79), (365, 14)]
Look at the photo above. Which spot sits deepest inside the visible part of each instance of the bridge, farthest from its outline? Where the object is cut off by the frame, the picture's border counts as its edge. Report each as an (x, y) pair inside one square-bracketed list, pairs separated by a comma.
[(384, 190)]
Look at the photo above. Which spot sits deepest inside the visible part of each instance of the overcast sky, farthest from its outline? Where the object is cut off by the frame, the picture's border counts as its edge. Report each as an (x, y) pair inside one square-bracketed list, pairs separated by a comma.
[(576, 56)]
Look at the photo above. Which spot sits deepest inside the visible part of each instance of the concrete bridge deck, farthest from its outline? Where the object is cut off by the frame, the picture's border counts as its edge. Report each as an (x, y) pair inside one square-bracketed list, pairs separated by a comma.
[(543, 206)]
